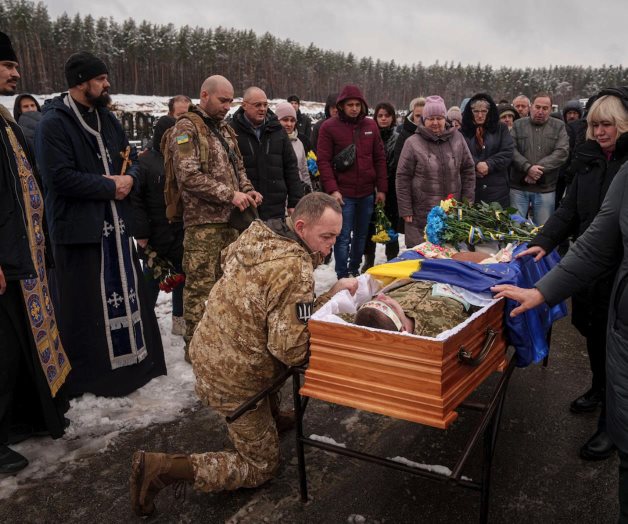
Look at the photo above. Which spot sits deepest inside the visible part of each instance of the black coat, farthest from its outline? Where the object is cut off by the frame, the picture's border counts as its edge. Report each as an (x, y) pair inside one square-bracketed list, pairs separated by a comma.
[(304, 125), (149, 210), (76, 192), (593, 175), (408, 128), (600, 249), (15, 254), (29, 122), (271, 164), (497, 153)]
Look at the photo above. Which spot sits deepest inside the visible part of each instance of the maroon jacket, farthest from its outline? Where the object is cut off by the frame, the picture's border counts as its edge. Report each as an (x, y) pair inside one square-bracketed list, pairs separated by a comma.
[(368, 173)]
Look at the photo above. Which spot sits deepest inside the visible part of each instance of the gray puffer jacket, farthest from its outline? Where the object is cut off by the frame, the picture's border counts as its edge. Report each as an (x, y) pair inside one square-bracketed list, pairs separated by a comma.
[(430, 168)]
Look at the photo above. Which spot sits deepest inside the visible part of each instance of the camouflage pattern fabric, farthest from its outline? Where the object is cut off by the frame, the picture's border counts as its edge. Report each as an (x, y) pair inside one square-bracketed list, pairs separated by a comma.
[(432, 315), (250, 331), (255, 460), (202, 245), (207, 184)]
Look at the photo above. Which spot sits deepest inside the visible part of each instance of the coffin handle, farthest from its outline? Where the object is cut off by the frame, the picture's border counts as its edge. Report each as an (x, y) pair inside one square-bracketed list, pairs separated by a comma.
[(467, 358)]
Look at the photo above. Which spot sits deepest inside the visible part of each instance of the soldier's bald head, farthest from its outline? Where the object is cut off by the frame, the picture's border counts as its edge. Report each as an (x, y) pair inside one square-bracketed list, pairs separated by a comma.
[(216, 96)]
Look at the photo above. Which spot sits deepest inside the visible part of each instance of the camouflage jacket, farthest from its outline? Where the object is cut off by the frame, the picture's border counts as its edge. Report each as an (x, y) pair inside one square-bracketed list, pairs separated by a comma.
[(254, 323), (206, 193)]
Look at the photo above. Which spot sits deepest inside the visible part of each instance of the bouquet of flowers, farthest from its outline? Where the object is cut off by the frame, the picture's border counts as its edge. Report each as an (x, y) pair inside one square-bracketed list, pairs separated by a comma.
[(384, 232), (312, 164), (453, 222), (158, 268)]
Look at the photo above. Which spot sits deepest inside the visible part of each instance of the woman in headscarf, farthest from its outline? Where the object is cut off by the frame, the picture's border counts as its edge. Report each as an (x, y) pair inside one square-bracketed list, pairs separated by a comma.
[(434, 163), (492, 149)]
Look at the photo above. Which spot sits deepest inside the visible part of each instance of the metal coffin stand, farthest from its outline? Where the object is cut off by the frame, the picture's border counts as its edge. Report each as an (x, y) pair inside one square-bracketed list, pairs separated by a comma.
[(486, 430)]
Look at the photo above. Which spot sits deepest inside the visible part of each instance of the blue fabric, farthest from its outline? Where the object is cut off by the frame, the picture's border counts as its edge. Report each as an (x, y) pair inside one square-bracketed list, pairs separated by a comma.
[(528, 332), (349, 248)]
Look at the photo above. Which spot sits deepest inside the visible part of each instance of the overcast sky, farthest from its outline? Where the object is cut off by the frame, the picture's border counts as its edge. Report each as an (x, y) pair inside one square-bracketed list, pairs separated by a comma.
[(496, 32)]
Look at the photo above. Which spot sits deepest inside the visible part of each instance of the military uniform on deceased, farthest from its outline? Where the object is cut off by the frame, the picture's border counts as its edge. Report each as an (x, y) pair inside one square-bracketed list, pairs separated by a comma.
[(431, 314), (207, 180)]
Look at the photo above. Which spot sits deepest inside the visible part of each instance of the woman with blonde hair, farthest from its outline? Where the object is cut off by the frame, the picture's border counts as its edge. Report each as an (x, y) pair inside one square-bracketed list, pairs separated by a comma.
[(595, 163)]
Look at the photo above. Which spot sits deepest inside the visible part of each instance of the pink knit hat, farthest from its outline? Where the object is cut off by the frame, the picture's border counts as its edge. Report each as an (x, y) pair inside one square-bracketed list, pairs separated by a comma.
[(434, 106), (285, 109)]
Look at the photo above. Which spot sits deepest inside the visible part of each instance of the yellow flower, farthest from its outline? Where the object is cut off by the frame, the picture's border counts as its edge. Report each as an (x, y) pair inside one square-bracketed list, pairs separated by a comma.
[(446, 204), (381, 237)]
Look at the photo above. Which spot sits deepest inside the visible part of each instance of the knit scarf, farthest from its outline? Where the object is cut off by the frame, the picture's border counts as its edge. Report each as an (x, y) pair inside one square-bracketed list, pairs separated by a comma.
[(118, 279)]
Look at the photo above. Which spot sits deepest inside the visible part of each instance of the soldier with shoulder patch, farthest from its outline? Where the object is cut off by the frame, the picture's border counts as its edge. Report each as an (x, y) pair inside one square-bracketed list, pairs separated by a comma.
[(255, 324), (211, 176)]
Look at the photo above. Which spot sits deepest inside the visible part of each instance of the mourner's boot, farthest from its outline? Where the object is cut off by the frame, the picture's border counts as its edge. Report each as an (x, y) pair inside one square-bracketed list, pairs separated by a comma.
[(588, 402), (11, 461), (151, 472), (598, 447)]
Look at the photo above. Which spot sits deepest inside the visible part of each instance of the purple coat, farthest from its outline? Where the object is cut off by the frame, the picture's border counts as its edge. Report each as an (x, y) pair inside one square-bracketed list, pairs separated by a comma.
[(368, 172)]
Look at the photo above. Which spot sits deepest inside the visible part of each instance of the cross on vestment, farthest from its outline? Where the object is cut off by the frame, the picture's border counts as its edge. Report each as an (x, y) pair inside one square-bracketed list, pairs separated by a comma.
[(107, 228), (115, 299)]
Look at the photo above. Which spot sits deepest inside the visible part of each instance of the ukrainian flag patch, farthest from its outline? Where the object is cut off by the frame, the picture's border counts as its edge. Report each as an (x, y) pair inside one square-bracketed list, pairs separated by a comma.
[(183, 139)]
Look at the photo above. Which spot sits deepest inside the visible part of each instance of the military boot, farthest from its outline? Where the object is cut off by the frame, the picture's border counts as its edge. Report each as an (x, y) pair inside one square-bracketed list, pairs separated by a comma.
[(151, 472)]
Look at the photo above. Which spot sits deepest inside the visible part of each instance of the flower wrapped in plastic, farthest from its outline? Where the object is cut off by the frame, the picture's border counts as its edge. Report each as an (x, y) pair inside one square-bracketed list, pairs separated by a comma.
[(384, 232), (161, 269), (453, 222), (312, 164)]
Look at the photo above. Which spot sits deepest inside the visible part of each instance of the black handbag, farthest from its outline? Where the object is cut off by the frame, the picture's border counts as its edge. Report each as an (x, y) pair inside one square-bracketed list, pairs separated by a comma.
[(346, 158)]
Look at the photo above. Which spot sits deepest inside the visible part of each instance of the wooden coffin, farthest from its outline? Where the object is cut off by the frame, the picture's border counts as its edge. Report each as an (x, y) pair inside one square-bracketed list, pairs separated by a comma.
[(408, 377)]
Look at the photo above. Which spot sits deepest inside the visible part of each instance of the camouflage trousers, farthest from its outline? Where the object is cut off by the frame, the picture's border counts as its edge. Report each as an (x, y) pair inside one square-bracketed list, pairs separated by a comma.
[(202, 245), (255, 458)]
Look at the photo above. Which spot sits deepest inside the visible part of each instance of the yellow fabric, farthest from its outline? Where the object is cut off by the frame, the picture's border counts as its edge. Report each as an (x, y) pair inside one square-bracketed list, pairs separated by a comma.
[(392, 270)]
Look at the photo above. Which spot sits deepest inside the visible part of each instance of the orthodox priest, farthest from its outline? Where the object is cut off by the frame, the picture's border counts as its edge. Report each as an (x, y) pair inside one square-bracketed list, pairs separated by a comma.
[(111, 337), (33, 365)]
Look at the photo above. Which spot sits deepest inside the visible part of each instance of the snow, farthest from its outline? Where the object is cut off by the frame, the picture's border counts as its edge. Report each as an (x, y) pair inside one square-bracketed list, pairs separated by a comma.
[(97, 421), (441, 470), (326, 440), (158, 105)]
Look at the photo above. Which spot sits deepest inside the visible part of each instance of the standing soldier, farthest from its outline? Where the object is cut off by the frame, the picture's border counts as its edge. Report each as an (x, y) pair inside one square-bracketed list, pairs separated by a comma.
[(210, 173), (254, 325)]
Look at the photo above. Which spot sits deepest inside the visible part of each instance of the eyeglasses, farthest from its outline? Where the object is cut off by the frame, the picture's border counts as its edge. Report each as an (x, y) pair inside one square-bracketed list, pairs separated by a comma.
[(479, 111)]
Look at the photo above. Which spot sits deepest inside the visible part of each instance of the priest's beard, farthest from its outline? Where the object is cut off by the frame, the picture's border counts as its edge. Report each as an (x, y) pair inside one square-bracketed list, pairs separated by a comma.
[(102, 100)]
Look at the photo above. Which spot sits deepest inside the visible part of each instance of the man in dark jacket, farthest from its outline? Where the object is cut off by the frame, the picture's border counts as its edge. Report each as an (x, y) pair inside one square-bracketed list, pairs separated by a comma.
[(27, 114), (112, 338), (492, 148), (269, 158), (354, 187), (32, 371), (150, 224), (330, 111), (304, 122), (600, 248)]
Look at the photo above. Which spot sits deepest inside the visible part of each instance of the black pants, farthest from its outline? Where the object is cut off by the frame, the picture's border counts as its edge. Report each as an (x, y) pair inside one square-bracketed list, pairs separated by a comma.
[(623, 488)]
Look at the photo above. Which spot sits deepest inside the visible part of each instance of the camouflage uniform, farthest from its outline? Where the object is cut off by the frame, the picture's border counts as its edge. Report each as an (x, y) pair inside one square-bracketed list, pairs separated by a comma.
[(432, 315), (207, 191), (268, 279)]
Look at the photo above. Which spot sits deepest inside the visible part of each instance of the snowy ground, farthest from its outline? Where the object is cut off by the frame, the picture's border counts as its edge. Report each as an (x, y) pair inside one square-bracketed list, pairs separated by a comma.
[(97, 421)]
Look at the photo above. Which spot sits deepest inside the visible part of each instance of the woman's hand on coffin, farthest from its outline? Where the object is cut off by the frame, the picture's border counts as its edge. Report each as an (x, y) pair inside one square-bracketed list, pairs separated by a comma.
[(535, 251), (527, 298), (350, 284)]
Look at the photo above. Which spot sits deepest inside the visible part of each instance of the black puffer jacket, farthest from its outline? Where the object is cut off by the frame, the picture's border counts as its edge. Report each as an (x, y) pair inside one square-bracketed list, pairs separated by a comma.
[(497, 152), (408, 128), (149, 210), (270, 163)]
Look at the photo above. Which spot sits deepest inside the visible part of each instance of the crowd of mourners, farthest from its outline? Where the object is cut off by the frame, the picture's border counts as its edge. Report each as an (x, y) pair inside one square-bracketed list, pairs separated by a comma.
[(258, 199)]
